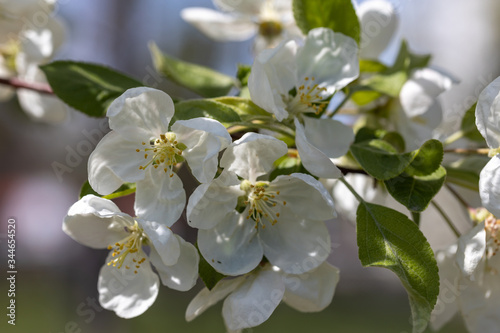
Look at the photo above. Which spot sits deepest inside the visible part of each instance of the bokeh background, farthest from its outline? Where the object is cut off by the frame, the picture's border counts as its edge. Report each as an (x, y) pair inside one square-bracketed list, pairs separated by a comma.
[(57, 278)]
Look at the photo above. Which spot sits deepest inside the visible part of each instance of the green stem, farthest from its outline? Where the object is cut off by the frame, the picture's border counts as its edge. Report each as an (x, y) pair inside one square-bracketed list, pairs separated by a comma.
[(270, 127), (337, 109), (457, 196), (446, 218), (353, 191), (454, 137)]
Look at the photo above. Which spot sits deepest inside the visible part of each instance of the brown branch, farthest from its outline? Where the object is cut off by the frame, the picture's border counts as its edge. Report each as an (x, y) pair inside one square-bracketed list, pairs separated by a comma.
[(14, 82), (480, 151)]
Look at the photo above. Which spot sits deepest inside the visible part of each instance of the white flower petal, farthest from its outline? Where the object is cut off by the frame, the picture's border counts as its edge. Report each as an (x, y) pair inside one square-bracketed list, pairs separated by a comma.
[(159, 197), (253, 155), (313, 291), (164, 242), (210, 203), (254, 301), (489, 186), (181, 276), (379, 22), (488, 114), (331, 58), (419, 93), (204, 139), (127, 294), (232, 247), (449, 276), (294, 244), (330, 136), (206, 298), (40, 107), (140, 114), (96, 222), (273, 75), (471, 250), (250, 7), (480, 304), (113, 162), (219, 26), (40, 44), (305, 196), (313, 159)]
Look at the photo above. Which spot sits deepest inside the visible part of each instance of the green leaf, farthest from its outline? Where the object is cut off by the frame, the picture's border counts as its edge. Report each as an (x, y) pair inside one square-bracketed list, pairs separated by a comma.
[(427, 159), (408, 61), (380, 159), (389, 84), (363, 97), (208, 274), (338, 15), (286, 165), (244, 107), (125, 189), (416, 192), (468, 125), (194, 108), (243, 74), (465, 172), (199, 79), (396, 140), (387, 238), (392, 79), (371, 66), (89, 88)]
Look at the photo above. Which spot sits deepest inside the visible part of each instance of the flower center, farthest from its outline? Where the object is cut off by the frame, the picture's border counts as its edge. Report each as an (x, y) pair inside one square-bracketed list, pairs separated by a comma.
[(270, 29), (308, 98), (9, 52), (492, 227), (132, 244), (262, 202), (164, 150)]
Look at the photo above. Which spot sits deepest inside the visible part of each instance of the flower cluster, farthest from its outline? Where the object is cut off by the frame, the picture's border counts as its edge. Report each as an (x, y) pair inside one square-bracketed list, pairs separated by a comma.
[(320, 126)]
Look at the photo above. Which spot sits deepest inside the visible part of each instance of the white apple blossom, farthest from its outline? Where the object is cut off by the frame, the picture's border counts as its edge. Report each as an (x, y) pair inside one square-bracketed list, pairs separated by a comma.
[(469, 276), (127, 283), (379, 21), (252, 298), (282, 219), (142, 147), (419, 110), (24, 48), (488, 124), (271, 20), (292, 81)]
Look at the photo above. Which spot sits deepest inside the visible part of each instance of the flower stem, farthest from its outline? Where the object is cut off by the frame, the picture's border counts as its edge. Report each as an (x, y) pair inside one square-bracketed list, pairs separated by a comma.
[(337, 109), (454, 137), (19, 84), (350, 188), (446, 218), (236, 127)]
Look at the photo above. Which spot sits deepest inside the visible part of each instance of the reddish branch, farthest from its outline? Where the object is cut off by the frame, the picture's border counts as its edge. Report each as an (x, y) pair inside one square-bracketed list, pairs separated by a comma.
[(38, 87)]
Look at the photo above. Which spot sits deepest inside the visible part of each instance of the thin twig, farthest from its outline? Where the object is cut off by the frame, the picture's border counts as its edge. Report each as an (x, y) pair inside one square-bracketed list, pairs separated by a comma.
[(42, 88), (480, 151), (446, 218)]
